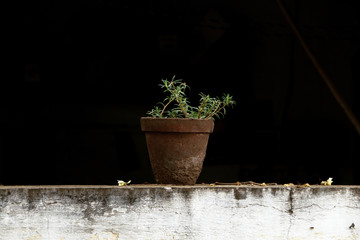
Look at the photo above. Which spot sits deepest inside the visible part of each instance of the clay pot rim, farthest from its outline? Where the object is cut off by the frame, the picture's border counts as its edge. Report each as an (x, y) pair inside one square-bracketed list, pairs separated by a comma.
[(181, 125), (182, 119)]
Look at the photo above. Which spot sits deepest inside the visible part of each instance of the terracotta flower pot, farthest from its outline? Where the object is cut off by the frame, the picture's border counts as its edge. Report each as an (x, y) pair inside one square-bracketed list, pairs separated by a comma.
[(176, 147)]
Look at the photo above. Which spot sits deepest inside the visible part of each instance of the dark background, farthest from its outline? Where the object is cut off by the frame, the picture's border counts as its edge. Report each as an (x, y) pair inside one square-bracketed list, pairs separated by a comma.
[(82, 73)]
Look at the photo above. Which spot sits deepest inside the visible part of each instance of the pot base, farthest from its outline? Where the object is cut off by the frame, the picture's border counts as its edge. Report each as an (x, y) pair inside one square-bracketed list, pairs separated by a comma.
[(176, 158)]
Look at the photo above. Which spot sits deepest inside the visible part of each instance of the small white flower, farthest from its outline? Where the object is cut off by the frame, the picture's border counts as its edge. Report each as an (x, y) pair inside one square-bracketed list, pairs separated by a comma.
[(122, 183), (327, 182)]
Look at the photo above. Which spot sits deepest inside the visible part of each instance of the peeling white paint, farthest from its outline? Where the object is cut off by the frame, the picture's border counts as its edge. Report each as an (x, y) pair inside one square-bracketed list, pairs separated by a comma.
[(164, 212)]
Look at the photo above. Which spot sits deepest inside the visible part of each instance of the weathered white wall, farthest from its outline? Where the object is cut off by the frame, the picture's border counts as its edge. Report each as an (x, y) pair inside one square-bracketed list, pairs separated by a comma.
[(164, 212)]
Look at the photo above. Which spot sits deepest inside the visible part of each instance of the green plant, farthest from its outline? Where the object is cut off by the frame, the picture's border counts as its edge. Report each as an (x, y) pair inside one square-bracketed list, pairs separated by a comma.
[(208, 108)]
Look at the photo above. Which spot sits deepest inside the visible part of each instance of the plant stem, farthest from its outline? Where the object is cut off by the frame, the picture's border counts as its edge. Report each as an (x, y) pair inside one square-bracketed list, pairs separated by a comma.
[(166, 106), (178, 100), (209, 111), (217, 110), (202, 108)]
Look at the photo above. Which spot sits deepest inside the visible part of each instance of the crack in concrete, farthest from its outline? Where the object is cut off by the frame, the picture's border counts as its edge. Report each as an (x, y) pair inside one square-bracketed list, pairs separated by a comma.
[(290, 212), (323, 208), (265, 206)]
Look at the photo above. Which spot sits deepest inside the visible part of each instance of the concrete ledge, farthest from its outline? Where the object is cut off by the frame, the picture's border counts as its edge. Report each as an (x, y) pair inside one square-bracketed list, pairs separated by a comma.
[(179, 212)]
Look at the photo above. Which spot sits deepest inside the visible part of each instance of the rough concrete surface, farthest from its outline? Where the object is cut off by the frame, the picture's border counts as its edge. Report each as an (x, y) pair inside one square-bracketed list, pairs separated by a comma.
[(179, 212)]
